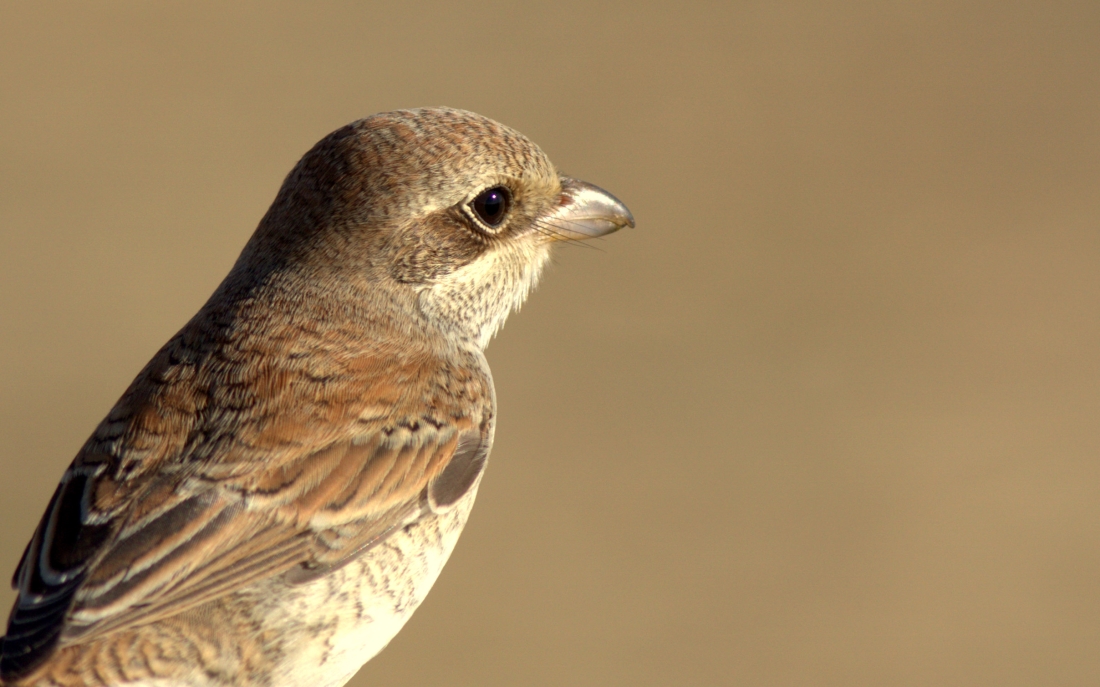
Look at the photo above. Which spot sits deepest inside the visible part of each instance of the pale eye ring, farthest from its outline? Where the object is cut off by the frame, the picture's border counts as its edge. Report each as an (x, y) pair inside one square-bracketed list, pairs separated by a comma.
[(491, 206)]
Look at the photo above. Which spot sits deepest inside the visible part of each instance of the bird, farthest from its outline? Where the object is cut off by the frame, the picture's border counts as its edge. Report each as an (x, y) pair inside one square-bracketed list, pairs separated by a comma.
[(279, 487)]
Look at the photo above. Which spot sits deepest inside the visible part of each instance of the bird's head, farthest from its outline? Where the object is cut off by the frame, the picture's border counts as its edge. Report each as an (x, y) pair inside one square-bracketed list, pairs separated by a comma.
[(438, 209)]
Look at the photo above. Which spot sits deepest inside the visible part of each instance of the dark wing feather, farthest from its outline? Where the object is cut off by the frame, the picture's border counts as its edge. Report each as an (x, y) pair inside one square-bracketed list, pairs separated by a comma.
[(50, 572)]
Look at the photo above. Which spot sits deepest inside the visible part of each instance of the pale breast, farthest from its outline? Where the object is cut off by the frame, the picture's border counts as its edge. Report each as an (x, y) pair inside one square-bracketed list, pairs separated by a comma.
[(329, 627)]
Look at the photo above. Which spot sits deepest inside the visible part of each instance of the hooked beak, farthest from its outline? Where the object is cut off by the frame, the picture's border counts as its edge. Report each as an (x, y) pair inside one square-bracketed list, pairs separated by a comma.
[(587, 211)]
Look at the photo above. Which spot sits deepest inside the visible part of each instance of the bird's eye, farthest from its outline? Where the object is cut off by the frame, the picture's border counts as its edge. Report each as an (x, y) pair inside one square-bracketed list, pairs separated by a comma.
[(491, 205)]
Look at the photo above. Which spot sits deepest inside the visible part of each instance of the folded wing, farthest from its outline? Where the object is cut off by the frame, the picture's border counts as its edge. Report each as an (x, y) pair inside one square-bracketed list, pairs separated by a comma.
[(190, 536)]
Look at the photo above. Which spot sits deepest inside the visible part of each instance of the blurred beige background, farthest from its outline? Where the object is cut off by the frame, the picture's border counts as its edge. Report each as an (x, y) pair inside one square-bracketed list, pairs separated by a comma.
[(829, 416)]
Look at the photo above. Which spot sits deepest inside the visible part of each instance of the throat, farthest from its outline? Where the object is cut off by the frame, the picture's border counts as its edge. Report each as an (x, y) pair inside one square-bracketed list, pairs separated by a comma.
[(473, 302)]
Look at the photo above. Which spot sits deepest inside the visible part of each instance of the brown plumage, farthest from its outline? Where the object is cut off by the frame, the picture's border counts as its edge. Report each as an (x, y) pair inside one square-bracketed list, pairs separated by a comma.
[(278, 489)]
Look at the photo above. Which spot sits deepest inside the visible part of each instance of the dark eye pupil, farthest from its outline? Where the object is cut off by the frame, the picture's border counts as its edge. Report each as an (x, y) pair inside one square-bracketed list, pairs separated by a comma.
[(492, 205)]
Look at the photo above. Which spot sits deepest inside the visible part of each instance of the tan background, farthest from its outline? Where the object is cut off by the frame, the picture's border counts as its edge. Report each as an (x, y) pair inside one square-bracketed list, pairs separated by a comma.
[(829, 416)]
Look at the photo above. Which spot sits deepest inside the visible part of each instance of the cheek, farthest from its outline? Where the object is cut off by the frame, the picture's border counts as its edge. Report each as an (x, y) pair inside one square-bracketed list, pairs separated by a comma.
[(431, 249)]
